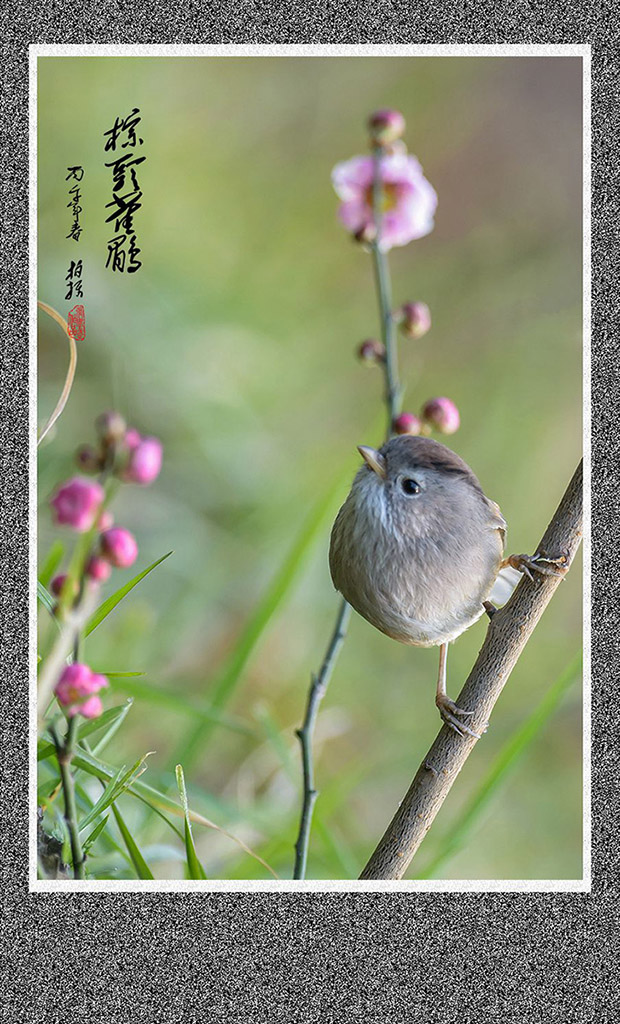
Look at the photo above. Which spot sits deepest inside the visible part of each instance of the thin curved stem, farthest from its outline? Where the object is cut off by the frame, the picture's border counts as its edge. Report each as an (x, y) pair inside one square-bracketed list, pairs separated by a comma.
[(66, 389)]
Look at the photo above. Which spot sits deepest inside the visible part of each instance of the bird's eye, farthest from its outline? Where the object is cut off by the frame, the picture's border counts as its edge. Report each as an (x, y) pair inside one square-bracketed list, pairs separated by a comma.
[(410, 486)]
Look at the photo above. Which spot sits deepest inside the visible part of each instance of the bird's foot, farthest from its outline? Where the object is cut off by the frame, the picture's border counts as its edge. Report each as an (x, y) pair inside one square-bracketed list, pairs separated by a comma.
[(543, 564), (451, 715)]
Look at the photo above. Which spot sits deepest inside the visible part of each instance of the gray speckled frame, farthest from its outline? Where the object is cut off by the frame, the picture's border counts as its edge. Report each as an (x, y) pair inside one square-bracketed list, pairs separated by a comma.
[(290, 956)]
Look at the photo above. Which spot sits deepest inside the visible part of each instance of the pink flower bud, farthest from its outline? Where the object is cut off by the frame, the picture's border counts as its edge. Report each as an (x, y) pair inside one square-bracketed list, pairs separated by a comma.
[(415, 319), (87, 459), (58, 583), (371, 352), (119, 547), (407, 423), (442, 414), (98, 569), (111, 427), (76, 683), (144, 461), (386, 126), (76, 502)]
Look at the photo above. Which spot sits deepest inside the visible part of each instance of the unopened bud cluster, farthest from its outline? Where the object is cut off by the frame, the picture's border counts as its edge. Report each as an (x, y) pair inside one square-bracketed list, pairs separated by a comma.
[(440, 414), (122, 451), (414, 320), (114, 548), (79, 503)]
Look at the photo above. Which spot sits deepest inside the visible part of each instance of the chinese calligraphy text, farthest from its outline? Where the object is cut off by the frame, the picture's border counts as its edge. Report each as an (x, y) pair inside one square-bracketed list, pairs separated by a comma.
[(123, 141), (75, 174)]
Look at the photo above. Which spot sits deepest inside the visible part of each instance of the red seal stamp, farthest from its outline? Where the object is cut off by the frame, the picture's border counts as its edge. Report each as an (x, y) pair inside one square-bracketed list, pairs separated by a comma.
[(77, 323)]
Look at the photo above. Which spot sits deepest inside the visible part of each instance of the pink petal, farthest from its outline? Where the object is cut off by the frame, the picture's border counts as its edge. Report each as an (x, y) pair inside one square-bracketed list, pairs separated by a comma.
[(91, 708), (352, 177), (354, 214)]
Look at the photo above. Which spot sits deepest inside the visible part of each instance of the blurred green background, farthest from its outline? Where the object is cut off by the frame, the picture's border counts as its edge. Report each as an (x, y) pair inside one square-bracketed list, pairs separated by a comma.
[(235, 345)]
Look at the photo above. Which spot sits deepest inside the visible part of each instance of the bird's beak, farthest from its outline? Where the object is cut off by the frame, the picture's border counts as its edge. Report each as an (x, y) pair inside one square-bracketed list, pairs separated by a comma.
[(374, 459)]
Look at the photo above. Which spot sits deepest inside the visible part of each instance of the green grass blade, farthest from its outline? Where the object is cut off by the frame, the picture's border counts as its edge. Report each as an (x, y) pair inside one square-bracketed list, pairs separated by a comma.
[(513, 750), (110, 603), (45, 597), (114, 725), (120, 675), (98, 829), (109, 720), (194, 867), (156, 801), (104, 800), (123, 779), (51, 563), (85, 762), (224, 685), (138, 861), (106, 839), (185, 705)]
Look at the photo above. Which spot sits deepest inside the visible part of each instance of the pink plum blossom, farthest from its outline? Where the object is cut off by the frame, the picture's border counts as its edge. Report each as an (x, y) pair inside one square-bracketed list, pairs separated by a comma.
[(408, 199), (76, 690), (76, 503), (119, 547), (442, 414)]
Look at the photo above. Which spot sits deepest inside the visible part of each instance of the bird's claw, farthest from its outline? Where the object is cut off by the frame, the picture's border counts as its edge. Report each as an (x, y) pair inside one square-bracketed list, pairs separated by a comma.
[(451, 715), (540, 563)]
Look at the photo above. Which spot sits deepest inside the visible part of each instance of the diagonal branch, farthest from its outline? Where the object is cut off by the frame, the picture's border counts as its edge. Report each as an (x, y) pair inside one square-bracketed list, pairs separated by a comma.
[(508, 633)]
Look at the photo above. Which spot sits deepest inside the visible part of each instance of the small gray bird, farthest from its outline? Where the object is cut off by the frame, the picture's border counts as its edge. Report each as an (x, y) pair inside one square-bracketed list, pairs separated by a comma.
[(417, 547)]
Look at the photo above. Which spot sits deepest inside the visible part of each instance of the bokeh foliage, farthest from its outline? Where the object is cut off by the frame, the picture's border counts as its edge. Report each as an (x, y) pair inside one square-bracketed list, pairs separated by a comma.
[(234, 344)]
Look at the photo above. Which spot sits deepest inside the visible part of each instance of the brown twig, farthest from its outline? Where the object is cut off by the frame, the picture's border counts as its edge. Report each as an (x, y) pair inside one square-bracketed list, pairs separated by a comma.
[(508, 633)]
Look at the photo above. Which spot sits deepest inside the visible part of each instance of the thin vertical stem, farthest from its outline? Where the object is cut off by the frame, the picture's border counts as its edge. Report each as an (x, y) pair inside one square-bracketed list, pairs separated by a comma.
[(315, 695), (320, 682), (64, 754), (384, 298)]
